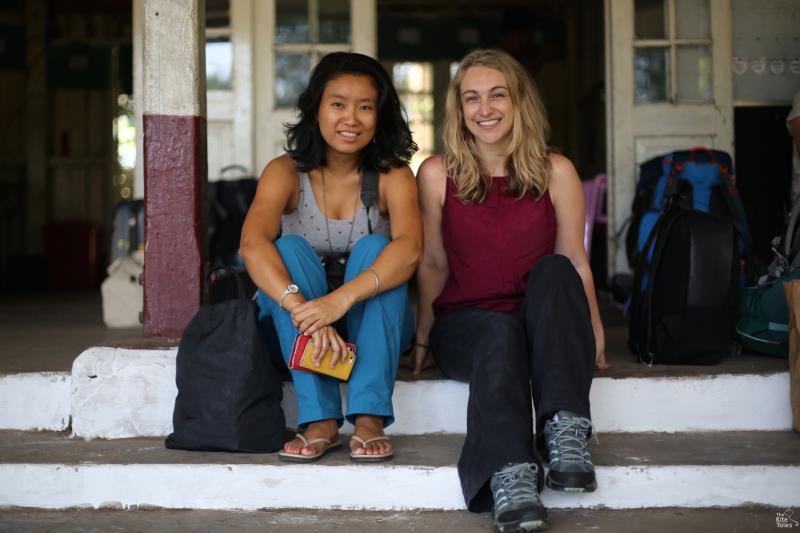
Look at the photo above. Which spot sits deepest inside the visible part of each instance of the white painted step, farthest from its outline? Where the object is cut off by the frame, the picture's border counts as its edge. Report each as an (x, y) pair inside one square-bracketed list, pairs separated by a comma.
[(36, 401), (123, 392), (53, 471)]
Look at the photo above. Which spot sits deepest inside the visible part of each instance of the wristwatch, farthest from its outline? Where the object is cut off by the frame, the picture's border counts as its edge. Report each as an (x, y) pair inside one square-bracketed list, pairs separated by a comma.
[(290, 289)]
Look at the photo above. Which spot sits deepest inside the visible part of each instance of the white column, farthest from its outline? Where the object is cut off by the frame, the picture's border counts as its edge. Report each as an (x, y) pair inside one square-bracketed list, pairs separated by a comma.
[(173, 51), (138, 98)]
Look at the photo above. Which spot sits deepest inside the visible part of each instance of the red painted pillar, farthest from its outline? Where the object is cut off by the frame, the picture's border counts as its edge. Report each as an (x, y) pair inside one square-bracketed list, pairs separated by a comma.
[(173, 71)]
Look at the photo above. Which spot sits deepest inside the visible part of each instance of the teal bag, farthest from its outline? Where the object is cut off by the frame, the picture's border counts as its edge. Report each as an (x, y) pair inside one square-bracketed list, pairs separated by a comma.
[(763, 323)]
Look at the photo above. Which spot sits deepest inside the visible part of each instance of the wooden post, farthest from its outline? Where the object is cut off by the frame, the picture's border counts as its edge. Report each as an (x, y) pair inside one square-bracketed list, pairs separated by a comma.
[(174, 87)]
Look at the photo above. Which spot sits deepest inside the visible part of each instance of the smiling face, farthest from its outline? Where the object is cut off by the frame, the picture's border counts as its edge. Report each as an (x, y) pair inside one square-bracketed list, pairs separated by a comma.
[(486, 105), (348, 114)]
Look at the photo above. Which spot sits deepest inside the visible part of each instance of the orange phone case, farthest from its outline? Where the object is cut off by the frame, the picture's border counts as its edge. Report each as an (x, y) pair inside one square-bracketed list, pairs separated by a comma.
[(301, 359)]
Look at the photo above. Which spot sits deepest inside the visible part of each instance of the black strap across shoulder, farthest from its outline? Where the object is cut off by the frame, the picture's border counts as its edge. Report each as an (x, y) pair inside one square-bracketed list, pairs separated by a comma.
[(369, 193)]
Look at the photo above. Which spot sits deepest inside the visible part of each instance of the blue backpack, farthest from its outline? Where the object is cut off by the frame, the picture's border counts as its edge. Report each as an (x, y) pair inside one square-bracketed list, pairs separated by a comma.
[(701, 179)]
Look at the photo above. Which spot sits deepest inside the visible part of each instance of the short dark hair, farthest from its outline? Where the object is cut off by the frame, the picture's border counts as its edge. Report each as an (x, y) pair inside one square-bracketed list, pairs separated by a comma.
[(393, 146)]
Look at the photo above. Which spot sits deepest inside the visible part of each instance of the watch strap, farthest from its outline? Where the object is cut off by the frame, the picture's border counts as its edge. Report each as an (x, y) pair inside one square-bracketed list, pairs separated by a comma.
[(286, 292)]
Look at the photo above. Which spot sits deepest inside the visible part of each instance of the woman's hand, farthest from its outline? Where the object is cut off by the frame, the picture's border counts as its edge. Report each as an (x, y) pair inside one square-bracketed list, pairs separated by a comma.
[(422, 359), (314, 314), (600, 362), (324, 338)]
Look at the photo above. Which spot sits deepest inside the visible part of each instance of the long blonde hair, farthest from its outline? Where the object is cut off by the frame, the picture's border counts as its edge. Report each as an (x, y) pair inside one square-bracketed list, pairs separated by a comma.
[(528, 167)]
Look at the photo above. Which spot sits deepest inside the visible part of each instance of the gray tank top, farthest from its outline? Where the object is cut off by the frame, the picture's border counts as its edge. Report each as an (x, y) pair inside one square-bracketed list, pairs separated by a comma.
[(307, 221)]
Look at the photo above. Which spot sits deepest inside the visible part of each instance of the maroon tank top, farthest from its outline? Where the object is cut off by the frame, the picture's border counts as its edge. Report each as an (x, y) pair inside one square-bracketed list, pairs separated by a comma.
[(491, 246)]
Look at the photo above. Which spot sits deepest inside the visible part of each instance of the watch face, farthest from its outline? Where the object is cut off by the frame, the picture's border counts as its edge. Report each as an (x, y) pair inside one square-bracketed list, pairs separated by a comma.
[(294, 289)]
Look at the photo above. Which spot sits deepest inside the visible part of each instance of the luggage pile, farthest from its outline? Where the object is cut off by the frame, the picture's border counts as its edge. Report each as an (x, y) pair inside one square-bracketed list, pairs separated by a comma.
[(228, 202), (690, 248), (123, 295)]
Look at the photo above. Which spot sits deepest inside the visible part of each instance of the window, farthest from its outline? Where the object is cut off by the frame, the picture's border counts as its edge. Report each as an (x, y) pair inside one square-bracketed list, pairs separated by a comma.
[(672, 51), (219, 49), (414, 83), (306, 30), (124, 131)]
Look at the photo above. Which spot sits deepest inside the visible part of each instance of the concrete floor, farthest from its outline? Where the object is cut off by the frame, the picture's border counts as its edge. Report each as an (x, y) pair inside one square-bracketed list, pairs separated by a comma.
[(739, 448), (46, 331), (736, 520)]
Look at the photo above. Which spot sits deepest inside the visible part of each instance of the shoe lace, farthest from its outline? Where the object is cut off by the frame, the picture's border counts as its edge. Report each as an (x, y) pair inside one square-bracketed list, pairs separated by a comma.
[(517, 483), (568, 440)]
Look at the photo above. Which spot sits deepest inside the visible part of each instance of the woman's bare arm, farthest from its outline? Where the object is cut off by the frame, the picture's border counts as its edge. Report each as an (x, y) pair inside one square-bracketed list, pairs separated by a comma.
[(276, 187), (433, 270), (566, 193)]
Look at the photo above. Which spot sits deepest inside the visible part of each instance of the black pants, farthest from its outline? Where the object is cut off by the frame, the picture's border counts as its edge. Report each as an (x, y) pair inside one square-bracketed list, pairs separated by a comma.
[(545, 351)]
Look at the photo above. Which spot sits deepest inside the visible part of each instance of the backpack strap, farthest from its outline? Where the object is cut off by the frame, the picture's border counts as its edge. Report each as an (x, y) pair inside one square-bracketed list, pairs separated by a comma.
[(369, 193), (673, 186), (736, 209), (647, 267)]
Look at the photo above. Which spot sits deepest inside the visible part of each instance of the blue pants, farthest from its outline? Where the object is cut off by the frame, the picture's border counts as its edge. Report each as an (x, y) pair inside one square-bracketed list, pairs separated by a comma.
[(380, 327)]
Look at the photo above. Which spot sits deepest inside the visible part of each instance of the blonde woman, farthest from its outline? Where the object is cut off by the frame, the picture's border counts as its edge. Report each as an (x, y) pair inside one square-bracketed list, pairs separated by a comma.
[(507, 300)]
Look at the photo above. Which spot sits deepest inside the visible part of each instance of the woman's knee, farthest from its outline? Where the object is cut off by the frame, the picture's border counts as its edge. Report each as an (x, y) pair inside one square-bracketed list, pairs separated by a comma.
[(552, 267), (294, 247), (555, 262), (369, 247), (291, 243)]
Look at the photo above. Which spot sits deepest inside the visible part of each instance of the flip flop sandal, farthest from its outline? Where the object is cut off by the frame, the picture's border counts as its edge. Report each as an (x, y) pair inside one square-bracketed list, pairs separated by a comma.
[(373, 457), (283, 455)]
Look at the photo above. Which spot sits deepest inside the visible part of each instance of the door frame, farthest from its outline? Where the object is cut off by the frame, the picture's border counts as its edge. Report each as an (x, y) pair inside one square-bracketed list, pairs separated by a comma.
[(269, 136)]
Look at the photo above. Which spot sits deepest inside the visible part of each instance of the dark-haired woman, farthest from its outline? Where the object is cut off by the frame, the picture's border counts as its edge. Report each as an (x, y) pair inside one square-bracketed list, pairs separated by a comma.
[(308, 209)]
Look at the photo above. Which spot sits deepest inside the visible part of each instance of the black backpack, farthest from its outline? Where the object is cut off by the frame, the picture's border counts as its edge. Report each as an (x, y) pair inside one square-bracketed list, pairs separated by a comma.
[(685, 291), (228, 202), (229, 393)]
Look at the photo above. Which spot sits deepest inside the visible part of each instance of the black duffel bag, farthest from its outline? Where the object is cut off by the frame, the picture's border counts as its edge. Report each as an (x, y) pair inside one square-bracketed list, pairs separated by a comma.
[(229, 393)]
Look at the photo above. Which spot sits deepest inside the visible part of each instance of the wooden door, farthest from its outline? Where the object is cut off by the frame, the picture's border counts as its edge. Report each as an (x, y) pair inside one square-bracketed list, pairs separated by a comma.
[(668, 86)]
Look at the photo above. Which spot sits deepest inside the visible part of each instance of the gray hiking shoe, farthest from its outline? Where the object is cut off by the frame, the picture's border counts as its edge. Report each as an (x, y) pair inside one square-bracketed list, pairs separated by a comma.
[(571, 468), (517, 506)]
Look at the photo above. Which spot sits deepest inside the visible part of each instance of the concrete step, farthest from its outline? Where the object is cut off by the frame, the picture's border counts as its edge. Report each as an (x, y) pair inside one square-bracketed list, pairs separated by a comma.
[(117, 392), (721, 469), (36, 401), (730, 520)]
